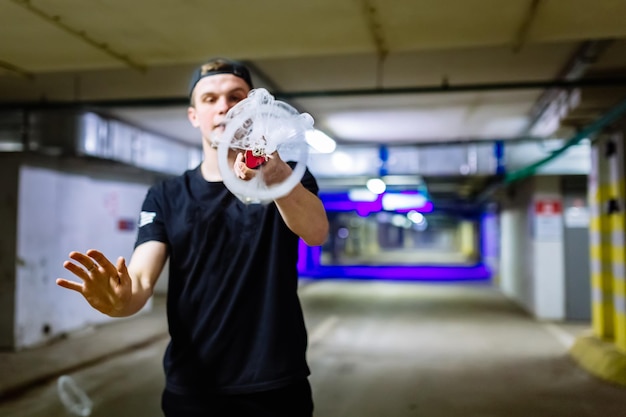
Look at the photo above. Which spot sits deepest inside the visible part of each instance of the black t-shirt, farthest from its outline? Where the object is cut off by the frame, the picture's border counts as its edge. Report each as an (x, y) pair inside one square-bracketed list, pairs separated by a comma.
[(234, 316)]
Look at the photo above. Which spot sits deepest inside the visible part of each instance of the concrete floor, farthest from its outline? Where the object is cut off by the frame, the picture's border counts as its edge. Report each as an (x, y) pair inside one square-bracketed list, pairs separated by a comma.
[(377, 349)]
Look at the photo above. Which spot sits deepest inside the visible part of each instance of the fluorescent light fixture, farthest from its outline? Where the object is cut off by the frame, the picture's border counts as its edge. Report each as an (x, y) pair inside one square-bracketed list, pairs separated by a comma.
[(392, 202), (376, 185), (342, 202), (341, 161), (320, 141), (362, 194)]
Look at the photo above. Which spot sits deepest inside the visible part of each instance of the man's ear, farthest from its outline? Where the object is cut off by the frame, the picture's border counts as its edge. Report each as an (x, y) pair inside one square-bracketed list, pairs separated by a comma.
[(192, 115)]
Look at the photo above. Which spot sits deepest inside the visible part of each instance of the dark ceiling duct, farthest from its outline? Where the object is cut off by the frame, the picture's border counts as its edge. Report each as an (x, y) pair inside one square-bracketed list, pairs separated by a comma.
[(446, 88), (586, 55)]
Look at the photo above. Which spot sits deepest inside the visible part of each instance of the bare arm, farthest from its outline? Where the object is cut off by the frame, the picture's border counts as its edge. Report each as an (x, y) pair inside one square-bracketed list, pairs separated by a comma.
[(146, 264), (302, 211), (304, 214), (117, 290)]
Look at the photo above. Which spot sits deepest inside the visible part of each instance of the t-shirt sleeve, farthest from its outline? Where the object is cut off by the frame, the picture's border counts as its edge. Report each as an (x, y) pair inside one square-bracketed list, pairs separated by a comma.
[(309, 182), (151, 224)]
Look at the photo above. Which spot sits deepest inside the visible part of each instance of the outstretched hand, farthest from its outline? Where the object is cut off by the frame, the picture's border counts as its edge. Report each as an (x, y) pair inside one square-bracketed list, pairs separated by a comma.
[(274, 170), (105, 286)]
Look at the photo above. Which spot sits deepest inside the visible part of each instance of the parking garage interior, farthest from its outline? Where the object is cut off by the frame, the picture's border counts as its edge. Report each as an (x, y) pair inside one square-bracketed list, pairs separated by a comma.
[(485, 277)]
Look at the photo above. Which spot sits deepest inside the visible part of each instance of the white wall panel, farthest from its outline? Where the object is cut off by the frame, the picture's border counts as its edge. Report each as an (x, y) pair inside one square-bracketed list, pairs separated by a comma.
[(549, 266), (58, 213), (549, 278)]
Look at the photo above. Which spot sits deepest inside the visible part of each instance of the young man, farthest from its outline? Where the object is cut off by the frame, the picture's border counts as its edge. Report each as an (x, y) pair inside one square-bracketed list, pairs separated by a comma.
[(238, 340)]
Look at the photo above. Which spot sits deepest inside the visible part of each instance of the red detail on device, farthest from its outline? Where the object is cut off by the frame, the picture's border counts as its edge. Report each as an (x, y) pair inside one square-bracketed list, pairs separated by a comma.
[(253, 161)]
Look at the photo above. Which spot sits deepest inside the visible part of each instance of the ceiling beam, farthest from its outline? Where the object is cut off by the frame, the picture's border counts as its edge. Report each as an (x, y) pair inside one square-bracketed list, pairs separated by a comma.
[(17, 70), (376, 32), (522, 33), (451, 88), (457, 88), (56, 21), (586, 54)]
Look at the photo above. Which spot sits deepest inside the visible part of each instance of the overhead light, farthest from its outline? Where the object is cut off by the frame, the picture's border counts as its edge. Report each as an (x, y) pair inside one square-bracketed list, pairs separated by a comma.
[(362, 194), (341, 161), (376, 185), (395, 202), (320, 141)]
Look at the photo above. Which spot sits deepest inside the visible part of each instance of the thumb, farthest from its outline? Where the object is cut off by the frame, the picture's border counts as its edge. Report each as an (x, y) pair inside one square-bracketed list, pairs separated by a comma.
[(122, 271)]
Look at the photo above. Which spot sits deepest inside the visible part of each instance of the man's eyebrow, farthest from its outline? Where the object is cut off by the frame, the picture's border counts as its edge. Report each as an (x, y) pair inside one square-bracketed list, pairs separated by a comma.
[(233, 91)]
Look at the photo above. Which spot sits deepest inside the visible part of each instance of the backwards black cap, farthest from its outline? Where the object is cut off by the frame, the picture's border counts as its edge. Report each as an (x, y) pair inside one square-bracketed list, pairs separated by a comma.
[(220, 66)]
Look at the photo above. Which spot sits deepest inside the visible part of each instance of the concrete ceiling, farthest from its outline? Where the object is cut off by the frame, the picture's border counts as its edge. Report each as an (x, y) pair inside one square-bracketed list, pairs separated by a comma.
[(368, 71)]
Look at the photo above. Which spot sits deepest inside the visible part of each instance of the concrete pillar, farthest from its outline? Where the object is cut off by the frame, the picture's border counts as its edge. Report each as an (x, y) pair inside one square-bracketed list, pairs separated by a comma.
[(616, 210), (600, 244), (604, 353), (9, 172)]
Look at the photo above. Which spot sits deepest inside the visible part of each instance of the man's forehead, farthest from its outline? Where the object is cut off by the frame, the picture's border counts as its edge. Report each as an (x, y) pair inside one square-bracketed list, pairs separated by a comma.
[(221, 83)]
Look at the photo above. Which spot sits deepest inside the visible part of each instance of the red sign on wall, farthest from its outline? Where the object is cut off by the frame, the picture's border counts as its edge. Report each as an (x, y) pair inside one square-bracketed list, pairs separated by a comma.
[(548, 207), (126, 224), (548, 219)]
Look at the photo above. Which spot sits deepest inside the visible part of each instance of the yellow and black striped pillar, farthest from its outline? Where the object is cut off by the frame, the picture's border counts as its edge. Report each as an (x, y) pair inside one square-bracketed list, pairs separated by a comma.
[(600, 242), (616, 210), (603, 353)]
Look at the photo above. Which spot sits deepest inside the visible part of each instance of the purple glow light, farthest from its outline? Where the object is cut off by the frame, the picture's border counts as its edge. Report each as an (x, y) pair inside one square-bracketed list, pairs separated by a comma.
[(477, 272), (309, 266), (342, 202)]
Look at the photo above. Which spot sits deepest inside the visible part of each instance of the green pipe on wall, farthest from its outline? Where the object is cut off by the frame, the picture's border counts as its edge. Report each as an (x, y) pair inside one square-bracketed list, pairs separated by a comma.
[(587, 132)]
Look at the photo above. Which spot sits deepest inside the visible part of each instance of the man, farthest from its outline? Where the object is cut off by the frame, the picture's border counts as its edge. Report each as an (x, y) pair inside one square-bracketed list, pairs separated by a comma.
[(238, 340)]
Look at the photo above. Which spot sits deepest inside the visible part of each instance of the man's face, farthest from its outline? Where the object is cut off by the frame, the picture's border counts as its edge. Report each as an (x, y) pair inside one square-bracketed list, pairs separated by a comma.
[(212, 97)]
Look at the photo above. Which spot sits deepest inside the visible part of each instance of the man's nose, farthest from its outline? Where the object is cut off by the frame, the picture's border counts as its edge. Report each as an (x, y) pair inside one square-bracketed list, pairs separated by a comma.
[(223, 105)]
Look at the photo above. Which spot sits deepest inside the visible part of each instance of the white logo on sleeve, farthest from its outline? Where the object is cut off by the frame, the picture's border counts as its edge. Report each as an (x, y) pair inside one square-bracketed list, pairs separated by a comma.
[(146, 217)]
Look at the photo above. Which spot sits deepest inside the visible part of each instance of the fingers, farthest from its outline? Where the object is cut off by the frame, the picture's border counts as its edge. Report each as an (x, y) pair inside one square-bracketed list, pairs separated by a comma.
[(239, 166), (93, 262), (275, 170), (83, 273), (241, 170), (123, 275), (86, 261), (121, 265), (70, 285), (103, 261), (76, 270), (106, 287)]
